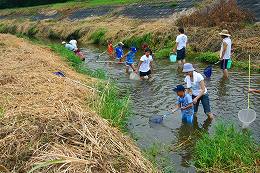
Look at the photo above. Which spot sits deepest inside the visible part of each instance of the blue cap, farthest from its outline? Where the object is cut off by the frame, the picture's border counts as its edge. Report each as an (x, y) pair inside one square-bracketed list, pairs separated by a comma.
[(133, 49), (179, 88)]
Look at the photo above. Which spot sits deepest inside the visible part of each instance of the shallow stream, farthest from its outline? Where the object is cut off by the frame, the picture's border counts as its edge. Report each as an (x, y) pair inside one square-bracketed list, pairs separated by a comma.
[(156, 97)]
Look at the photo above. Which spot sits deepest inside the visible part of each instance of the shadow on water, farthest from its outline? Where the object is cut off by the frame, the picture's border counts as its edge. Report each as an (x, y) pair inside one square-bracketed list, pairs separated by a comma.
[(156, 97)]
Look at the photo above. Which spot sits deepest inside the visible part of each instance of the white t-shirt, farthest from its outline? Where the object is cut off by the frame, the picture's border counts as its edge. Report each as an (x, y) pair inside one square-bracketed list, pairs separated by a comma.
[(145, 66), (227, 54), (73, 43), (195, 84), (182, 41)]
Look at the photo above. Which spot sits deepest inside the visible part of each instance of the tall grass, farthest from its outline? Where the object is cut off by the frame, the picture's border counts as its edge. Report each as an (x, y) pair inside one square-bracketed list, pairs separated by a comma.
[(112, 106), (227, 149), (158, 155), (98, 36)]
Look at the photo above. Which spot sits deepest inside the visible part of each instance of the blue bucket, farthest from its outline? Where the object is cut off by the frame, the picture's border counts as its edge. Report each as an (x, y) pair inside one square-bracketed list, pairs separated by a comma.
[(208, 71), (173, 57)]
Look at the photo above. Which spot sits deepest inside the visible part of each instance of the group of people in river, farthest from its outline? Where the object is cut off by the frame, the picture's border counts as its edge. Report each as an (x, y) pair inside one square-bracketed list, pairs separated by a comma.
[(189, 98)]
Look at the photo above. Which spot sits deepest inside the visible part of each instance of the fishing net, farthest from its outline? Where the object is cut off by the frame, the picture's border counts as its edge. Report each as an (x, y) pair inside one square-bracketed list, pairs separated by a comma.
[(246, 116)]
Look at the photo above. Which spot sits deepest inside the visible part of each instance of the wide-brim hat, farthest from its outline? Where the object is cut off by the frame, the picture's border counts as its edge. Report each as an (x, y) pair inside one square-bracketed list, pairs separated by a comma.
[(225, 32), (187, 67)]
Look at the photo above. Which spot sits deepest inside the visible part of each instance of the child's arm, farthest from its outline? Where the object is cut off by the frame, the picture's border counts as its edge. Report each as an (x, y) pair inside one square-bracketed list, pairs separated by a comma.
[(139, 64), (176, 108), (187, 107)]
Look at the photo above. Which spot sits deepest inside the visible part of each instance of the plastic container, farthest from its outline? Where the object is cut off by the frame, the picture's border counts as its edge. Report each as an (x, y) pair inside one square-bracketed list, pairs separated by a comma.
[(173, 57), (229, 63)]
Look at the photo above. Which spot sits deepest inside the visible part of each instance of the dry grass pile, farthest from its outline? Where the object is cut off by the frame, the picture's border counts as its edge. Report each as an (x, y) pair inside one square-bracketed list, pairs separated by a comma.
[(46, 125), (225, 13)]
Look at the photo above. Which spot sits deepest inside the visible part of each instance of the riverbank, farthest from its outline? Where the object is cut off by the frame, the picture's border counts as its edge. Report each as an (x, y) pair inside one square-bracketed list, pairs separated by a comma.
[(47, 122), (159, 34)]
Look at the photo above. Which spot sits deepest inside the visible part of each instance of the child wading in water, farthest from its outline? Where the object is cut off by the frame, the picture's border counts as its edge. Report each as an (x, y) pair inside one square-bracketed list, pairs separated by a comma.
[(184, 102), (110, 49), (180, 48), (130, 59), (145, 65), (119, 51)]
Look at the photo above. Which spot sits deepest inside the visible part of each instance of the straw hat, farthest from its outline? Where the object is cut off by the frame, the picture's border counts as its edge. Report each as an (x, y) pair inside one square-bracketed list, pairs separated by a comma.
[(187, 67), (225, 32)]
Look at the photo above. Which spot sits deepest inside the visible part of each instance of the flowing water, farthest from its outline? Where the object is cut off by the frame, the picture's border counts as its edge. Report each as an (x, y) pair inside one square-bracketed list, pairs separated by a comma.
[(156, 97)]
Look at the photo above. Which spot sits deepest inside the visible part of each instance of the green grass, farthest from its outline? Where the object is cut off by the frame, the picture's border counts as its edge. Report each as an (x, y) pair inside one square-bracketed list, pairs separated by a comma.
[(163, 53), (73, 4), (158, 156), (227, 149), (112, 106), (98, 37), (208, 57)]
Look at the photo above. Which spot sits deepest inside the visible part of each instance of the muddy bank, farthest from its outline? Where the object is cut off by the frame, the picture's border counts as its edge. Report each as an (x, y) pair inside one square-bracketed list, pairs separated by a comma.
[(46, 121)]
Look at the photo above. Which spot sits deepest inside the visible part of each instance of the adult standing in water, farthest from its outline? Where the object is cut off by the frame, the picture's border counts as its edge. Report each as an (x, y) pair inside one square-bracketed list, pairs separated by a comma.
[(196, 86), (180, 48), (225, 51)]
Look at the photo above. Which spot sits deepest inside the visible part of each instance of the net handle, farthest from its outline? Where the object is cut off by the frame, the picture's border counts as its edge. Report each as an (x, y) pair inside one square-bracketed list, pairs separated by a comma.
[(249, 81)]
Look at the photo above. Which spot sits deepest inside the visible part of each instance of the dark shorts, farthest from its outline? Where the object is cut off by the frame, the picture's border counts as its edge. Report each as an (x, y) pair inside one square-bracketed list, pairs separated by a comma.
[(142, 74), (181, 54), (205, 103), (223, 64)]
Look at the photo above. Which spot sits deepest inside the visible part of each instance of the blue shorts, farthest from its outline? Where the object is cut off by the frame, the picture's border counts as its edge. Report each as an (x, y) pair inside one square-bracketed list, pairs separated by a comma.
[(205, 103), (129, 63), (187, 119), (223, 64), (181, 54)]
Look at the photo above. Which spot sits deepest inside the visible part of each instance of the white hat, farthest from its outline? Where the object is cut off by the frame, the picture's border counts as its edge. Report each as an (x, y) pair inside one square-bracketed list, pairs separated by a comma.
[(63, 42), (121, 43), (225, 32), (187, 67)]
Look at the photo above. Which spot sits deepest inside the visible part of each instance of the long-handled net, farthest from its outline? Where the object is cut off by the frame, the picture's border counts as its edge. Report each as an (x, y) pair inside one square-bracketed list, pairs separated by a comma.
[(247, 116)]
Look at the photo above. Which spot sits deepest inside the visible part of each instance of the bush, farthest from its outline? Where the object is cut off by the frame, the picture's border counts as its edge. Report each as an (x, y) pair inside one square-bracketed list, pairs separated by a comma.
[(208, 57), (226, 149), (98, 36), (163, 53), (218, 15)]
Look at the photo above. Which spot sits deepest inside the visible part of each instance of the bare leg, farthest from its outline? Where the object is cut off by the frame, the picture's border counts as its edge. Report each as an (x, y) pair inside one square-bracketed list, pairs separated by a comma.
[(133, 67), (127, 69), (183, 61), (225, 74), (210, 115)]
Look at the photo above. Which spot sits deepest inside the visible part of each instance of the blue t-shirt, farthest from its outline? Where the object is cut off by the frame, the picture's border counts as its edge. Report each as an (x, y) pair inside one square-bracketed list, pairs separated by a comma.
[(185, 101), (130, 58), (119, 52)]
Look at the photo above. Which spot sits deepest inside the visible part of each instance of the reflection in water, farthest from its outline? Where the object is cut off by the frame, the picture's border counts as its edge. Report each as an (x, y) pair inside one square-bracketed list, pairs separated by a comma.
[(222, 87), (157, 97), (187, 135)]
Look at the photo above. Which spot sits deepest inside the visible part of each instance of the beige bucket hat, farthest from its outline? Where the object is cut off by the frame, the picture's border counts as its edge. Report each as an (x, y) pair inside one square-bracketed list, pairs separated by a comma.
[(225, 32)]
